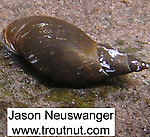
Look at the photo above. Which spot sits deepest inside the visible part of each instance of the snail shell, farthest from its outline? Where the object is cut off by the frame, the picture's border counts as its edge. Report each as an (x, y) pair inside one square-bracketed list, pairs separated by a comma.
[(64, 53)]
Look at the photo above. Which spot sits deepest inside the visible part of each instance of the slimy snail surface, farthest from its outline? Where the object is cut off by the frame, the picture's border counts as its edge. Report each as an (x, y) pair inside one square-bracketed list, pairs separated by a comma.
[(64, 53)]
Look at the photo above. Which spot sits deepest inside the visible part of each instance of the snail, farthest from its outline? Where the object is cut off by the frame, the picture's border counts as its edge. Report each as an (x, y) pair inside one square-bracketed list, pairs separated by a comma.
[(64, 53)]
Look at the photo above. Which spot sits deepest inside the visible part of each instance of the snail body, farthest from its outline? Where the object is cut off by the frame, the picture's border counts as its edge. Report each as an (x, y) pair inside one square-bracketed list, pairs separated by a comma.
[(64, 53)]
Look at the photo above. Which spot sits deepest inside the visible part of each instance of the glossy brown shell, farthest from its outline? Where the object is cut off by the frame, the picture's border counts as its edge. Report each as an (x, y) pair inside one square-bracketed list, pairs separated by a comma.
[(56, 48), (63, 52)]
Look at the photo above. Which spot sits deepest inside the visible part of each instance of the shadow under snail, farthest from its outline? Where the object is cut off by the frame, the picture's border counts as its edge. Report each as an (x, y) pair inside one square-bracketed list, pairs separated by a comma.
[(64, 53)]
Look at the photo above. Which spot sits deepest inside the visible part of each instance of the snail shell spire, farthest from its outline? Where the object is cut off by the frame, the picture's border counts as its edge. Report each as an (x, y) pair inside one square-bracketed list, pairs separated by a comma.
[(114, 62), (137, 65)]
